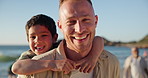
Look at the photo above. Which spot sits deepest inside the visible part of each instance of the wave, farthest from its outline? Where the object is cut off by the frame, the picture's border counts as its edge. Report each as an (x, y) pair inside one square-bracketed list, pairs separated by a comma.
[(4, 58)]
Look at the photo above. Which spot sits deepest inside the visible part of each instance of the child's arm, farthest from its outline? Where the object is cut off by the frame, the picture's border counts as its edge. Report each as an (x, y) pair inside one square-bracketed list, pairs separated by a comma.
[(87, 64), (29, 66)]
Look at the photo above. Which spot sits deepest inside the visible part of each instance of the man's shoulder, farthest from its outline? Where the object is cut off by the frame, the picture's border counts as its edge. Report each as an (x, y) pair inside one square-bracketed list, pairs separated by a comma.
[(129, 58), (109, 54), (109, 64), (106, 55)]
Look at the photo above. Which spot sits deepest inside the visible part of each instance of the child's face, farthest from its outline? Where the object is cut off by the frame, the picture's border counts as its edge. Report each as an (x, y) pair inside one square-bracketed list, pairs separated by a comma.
[(40, 39)]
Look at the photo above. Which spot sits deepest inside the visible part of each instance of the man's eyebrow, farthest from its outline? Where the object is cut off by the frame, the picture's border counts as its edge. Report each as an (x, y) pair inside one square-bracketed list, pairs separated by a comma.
[(72, 17), (86, 15)]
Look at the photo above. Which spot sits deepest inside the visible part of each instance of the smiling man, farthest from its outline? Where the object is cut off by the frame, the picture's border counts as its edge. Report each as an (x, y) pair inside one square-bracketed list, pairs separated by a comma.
[(77, 22), (78, 26)]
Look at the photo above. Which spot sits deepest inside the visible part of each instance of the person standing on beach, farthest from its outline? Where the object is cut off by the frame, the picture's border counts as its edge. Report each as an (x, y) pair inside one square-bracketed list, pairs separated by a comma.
[(135, 66), (42, 35), (145, 55), (78, 22)]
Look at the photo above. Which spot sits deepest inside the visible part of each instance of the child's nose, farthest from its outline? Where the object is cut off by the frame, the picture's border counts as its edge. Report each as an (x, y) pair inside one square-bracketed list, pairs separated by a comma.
[(38, 39)]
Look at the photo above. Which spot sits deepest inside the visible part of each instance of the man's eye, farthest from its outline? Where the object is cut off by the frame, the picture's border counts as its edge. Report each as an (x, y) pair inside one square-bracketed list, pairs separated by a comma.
[(71, 22), (86, 20)]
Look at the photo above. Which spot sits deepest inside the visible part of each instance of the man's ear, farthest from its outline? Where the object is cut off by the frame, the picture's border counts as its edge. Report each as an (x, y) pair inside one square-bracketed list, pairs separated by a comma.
[(96, 21), (59, 24)]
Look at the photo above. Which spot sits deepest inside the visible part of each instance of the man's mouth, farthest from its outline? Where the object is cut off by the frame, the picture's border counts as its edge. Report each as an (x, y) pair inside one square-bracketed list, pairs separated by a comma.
[(80, 37)]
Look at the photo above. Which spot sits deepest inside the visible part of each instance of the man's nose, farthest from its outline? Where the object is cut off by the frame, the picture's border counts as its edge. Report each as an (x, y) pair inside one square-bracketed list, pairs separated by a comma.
[(79, 28)]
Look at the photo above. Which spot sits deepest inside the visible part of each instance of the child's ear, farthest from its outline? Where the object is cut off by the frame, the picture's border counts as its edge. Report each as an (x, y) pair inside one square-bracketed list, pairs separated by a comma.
[(27, 38), (55, 37)]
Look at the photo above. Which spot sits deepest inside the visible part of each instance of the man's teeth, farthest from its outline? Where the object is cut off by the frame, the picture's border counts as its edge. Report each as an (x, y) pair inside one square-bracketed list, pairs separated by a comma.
[(80, 37)]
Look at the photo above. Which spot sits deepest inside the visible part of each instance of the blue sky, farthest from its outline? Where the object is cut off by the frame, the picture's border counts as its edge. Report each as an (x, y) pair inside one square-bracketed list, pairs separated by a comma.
[(119, 20)]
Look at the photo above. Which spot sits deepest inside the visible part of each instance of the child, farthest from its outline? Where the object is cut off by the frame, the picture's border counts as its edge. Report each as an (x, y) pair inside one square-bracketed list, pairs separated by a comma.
[(41, 35)]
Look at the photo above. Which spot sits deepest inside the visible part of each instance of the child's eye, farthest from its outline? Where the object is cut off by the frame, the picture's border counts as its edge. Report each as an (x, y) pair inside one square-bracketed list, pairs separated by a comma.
[(44, 35), (33, 37)]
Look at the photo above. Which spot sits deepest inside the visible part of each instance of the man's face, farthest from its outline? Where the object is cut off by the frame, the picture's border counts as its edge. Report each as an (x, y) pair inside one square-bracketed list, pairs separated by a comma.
[(40, 39), (78, 22), (135, 52)]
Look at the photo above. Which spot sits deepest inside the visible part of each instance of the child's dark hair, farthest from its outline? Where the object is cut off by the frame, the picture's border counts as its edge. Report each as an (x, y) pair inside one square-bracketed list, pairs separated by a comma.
[(44, 20)]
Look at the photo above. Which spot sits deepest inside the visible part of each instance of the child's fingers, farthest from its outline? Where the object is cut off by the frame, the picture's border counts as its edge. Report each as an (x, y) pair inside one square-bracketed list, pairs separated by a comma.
[(80, 63), (73, 64), (90, 70), (67, 69), (83, 67), (77, 67), (69, 66), (87, 69), (66, 72)]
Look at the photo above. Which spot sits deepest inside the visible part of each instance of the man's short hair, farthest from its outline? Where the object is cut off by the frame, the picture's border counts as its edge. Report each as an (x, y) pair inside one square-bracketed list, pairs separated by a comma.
[(62, 1)]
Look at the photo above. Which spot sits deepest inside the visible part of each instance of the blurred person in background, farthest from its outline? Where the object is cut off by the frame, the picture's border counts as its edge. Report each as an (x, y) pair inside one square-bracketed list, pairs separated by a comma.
[(135, 66), (145, 55)]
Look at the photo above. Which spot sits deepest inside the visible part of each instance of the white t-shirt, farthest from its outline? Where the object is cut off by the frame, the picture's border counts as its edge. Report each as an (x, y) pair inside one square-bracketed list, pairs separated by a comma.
[(77, 74), (135, 68)]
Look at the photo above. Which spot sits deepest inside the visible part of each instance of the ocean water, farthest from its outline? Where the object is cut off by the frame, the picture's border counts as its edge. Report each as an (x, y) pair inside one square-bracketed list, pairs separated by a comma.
[(121, 52), (12, 51)]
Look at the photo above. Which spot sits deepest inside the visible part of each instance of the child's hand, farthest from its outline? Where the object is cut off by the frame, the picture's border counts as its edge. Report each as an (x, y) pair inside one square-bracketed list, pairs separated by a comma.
[(86, 65), (65, 65), (68, 66)]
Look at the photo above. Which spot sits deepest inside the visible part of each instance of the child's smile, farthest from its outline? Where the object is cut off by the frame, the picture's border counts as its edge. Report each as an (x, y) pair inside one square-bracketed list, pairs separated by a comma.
[(40, 39)]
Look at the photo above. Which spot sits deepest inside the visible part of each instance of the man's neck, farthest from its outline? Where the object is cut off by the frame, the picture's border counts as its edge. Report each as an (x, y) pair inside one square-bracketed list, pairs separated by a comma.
[(75, 56), (136, 56)]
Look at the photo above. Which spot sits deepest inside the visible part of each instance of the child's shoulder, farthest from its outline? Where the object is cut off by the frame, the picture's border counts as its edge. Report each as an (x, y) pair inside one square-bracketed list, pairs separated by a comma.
[(27, 55), (47, 55), (27, 52)]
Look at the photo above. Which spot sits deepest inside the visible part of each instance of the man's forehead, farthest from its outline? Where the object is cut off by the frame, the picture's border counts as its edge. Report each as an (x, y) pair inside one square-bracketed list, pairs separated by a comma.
[(134, 49), (71, 11), (75, 4)]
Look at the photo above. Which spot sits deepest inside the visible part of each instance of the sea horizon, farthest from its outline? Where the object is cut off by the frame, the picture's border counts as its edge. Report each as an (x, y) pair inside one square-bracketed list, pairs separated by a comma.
[(9, 53)]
